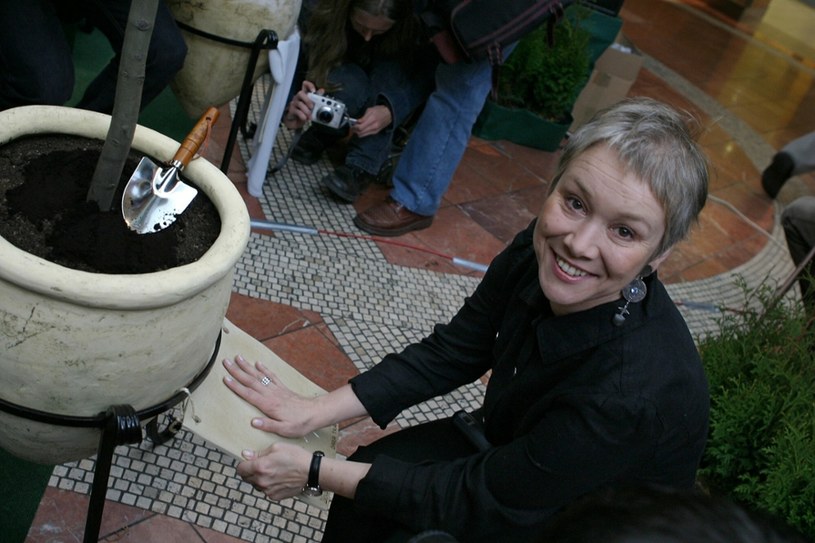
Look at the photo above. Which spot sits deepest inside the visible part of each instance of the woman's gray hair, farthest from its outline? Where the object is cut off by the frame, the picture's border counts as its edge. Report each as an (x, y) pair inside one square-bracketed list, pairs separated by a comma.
[(654, 142)]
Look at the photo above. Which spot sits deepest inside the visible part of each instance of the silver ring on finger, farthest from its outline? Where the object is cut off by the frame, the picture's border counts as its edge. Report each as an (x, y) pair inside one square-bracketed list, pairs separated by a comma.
[(265, 381)]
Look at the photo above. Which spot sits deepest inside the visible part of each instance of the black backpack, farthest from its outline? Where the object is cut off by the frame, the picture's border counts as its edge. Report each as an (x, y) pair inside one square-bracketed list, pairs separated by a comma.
[(471, 30)]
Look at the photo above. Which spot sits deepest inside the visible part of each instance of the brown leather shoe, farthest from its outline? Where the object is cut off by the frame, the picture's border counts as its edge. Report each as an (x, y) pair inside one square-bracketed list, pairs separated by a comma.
[(391, 218)]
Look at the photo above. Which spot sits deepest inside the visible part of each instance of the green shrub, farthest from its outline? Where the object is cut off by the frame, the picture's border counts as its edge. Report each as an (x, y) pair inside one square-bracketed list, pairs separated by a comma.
[(761, 448), (547, 79)]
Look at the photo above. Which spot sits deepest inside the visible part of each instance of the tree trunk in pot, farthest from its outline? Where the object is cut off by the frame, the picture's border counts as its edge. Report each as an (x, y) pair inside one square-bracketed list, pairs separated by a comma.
[(74, 343)]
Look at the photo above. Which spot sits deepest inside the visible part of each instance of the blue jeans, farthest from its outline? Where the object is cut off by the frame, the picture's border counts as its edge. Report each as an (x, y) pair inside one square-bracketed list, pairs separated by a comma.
[(440, 137), (386, 83), (36, 64)]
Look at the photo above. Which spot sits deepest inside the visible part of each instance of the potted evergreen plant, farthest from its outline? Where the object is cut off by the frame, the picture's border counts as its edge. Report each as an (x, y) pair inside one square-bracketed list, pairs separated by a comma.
[(761, 447), (539, 82)]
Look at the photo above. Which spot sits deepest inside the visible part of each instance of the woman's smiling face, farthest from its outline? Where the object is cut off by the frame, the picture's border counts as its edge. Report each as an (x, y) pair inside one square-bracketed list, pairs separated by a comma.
[(596, 232)]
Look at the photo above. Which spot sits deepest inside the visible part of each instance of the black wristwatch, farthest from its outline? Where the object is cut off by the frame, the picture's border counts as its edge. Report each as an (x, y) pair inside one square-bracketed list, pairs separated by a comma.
[(312, 487)]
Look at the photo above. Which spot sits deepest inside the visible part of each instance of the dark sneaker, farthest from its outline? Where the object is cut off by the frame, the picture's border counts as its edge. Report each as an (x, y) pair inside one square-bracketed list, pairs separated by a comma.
[(309, 148), (777, 173), (347, 183)]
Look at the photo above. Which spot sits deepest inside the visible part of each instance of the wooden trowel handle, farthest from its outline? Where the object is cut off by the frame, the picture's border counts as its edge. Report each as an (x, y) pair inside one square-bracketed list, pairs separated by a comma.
[(196, 137)]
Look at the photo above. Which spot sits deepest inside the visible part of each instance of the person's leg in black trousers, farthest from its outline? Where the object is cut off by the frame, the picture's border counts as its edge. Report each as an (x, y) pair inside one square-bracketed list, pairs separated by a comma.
[(438, 440), (165, 56), (35, 58)]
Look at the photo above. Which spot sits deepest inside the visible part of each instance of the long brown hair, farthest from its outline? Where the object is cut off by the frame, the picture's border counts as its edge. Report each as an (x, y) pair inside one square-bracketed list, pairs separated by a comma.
[(327, 39)]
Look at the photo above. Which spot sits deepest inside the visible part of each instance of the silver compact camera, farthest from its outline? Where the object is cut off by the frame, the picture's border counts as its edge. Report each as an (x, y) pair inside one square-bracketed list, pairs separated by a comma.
[(328, 111)]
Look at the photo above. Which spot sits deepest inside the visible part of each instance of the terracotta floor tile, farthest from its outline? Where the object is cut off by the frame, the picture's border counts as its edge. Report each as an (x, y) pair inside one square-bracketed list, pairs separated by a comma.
[(316, 355), (485, 172), (211, 536), (670, 271), (734, 92), (541, 164), (712, 132), (62, 515), (702, 270), (730, 165), (478, 182), (434, 247), (740, 252), (706, 238), (263, 320), (507, 214), (753, 204), (414, 255), (647, 84), (156, 529), (779, 138), (458, 236), (764, 117)]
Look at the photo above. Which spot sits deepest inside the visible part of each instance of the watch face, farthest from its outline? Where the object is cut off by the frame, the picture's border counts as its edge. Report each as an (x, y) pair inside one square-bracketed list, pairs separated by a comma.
[(312, 491)]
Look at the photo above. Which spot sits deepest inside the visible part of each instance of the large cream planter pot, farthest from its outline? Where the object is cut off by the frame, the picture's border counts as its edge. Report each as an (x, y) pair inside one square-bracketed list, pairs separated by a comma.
[(213, 71), (76, 343)]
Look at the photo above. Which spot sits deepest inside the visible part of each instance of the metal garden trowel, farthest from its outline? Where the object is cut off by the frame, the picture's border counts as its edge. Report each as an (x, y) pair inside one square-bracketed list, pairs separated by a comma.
[(154, 196)]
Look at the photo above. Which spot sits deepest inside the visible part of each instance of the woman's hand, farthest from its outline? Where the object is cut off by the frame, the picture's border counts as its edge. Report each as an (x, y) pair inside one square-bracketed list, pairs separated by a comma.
[(287, 414), (374, 120), (299, 111), (280, 471)]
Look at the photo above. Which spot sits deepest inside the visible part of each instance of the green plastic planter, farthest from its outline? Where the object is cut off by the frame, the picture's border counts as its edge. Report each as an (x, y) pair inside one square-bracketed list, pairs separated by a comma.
[(519, 126)]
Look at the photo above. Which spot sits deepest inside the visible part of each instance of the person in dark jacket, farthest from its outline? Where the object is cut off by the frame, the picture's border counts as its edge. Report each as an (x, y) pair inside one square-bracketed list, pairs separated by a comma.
[(594, 378), (36, 64)]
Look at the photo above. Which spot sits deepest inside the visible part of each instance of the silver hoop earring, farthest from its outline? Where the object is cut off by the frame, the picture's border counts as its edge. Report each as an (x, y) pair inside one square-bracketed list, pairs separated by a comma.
[(634, 292)]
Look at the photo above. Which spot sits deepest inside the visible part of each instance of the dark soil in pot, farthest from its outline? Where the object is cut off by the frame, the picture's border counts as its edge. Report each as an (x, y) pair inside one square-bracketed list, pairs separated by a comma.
[(43, 186)]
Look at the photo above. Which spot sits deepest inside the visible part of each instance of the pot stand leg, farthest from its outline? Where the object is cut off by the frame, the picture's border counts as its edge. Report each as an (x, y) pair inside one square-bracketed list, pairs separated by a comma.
[(265, 40), (122, 427), (119, 425)]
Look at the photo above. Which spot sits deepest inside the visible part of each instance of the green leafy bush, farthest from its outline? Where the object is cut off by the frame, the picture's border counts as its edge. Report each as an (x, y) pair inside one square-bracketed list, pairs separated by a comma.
[(547, 79), (761, 448)]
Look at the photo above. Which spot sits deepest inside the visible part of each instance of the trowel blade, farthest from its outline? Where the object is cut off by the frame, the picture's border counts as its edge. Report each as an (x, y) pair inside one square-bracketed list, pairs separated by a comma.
[(154, 197)]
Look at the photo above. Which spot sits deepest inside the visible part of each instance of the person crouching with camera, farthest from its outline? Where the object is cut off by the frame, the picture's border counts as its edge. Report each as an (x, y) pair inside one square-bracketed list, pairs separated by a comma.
[(367, 70)]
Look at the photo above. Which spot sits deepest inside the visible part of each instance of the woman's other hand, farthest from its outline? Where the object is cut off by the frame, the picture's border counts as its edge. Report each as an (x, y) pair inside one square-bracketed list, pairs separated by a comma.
[(287, 414), (280, 471), (374, 120), (299, 111)]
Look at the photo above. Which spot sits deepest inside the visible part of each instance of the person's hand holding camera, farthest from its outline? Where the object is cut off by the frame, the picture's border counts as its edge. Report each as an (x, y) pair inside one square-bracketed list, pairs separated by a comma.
[(299, 110), (374, 120)]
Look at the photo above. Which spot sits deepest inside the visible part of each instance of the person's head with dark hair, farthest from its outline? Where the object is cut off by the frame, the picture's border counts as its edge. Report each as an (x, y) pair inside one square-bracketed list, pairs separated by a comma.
[(658, 515), (392, 24)]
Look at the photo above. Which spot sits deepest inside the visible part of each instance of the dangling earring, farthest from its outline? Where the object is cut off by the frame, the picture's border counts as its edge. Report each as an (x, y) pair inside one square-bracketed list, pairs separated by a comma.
[(634, 292)]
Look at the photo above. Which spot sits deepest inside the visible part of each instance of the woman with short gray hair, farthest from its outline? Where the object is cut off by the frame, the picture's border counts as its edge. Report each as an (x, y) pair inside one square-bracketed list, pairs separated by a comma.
[(594, 378)]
